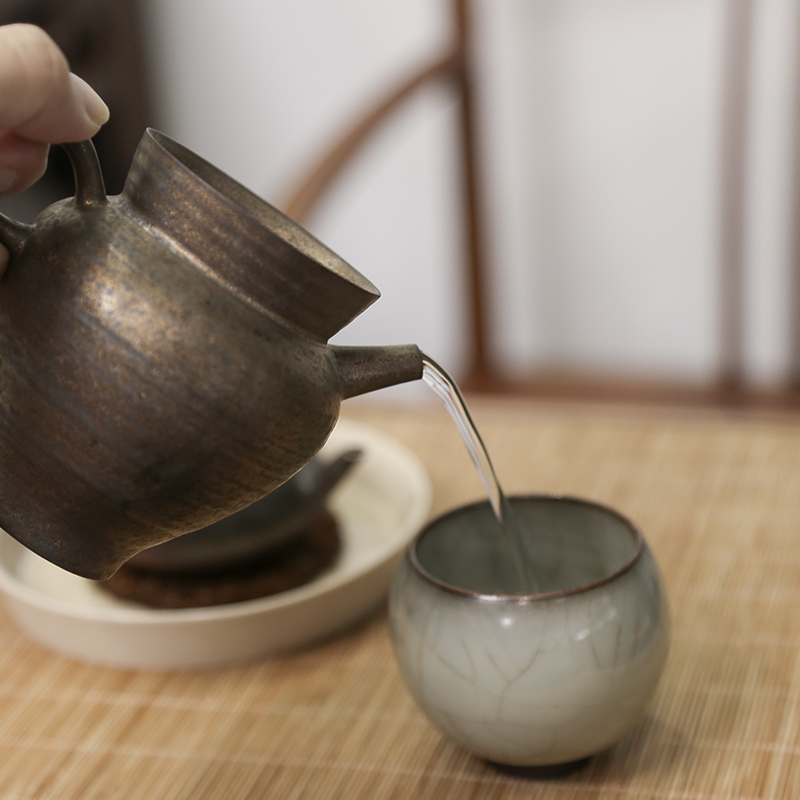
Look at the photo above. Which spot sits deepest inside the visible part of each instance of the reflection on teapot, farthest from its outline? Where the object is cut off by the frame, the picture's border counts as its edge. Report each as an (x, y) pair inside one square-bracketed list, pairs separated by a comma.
[(164, 357)]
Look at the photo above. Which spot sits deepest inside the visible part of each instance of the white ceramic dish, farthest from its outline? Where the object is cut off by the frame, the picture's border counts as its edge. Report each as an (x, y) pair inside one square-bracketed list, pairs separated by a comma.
[(380, 506)]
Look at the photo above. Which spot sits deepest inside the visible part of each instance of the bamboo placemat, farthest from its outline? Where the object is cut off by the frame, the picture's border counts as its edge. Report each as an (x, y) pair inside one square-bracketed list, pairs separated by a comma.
[(719, 500)]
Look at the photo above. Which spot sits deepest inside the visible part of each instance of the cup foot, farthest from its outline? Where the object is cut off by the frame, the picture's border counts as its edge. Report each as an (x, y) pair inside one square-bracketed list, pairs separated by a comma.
[(544, 772)]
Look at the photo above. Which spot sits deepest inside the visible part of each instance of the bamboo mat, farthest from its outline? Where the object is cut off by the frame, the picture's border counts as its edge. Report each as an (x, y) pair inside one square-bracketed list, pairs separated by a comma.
[(719, 500)]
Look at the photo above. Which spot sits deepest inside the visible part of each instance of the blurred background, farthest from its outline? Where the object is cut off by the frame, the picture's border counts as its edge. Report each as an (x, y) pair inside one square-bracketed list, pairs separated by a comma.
[(635, 170)]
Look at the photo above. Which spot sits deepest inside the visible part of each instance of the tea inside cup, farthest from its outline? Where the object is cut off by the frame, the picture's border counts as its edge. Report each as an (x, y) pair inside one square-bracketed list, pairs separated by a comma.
[(531, 680)]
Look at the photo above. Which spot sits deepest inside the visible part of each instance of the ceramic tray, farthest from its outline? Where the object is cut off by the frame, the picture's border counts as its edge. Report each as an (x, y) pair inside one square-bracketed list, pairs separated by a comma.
[(380, 506)]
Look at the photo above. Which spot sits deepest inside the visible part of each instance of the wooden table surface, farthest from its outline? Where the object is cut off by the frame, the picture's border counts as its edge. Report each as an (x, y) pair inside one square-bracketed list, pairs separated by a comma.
[(718, 497)]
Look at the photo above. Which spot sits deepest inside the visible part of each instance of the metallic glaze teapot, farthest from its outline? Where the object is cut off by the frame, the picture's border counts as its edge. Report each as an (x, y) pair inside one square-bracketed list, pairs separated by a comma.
[(164, 358)]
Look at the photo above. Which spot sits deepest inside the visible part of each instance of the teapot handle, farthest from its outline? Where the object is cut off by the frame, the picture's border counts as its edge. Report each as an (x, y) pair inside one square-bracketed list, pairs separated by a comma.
[(89, 191)]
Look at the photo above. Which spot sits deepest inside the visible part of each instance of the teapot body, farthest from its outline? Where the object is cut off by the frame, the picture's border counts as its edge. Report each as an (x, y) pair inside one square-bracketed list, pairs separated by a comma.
[(138, 400), (164, 358)]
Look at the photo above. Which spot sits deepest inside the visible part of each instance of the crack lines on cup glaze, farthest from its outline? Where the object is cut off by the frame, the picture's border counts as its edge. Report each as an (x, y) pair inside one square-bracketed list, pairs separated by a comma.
[(510, 679), (439, 643), (606, 657), (632, 627), (431, 624)]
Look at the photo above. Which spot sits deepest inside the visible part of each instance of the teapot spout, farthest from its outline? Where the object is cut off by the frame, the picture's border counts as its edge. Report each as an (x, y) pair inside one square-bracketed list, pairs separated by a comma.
[(365, 369)]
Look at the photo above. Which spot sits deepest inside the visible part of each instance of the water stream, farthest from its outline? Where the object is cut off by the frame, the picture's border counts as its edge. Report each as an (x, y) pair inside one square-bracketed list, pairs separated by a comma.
[(519, 568)]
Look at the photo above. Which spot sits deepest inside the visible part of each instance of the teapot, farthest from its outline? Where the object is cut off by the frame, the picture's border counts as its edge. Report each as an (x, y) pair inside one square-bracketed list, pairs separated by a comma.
[(164, 357)]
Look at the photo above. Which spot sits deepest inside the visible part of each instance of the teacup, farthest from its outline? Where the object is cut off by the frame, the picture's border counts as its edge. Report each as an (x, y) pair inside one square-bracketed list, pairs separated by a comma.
[(541, 679)]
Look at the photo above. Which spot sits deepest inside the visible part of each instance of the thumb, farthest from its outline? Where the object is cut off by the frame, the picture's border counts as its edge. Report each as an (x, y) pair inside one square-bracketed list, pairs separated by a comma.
[(39, 98)]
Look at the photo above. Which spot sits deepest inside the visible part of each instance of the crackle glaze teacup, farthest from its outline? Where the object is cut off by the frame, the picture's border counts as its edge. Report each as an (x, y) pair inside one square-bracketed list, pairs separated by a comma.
[(541, 679)]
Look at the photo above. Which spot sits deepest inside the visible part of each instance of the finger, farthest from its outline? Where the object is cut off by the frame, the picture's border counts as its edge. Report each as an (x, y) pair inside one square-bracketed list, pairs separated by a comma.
[(39, 98), (22, 163)]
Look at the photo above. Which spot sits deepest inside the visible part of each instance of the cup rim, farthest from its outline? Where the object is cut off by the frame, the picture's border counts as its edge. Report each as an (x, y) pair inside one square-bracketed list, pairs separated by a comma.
[(639, 547)]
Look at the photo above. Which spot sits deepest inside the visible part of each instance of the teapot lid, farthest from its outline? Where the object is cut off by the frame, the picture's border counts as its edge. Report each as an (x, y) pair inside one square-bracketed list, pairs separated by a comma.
[(243, 242)]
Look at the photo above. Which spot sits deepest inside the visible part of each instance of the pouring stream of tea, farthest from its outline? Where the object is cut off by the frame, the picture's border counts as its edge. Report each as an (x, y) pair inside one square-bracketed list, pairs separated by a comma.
[(448, 392)]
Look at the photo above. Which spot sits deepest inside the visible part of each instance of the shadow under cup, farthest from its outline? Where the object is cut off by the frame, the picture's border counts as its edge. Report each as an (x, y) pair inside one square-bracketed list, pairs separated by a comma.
[(531, 679)]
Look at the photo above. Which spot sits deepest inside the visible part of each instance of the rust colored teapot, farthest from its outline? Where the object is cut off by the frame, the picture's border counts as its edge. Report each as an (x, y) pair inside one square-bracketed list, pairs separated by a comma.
[(164, 357)]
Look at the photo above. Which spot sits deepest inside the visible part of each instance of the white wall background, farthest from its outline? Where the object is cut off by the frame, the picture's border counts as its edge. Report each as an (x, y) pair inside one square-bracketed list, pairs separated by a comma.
[(602, 129)]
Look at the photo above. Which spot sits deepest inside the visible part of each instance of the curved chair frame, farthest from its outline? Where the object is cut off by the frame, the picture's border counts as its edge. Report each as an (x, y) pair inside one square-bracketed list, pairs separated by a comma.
[(455, 66)]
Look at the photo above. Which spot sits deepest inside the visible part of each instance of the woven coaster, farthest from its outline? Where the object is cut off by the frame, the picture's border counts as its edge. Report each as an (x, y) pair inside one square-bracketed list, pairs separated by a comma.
[(288, 567)]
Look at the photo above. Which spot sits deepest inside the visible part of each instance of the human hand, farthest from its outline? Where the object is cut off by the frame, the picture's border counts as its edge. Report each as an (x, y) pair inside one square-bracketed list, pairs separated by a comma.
[(41, 102)]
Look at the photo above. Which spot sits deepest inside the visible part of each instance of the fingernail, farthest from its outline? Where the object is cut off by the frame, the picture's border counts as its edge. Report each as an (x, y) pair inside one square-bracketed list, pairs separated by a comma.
[(7, 178), (93, 105)]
